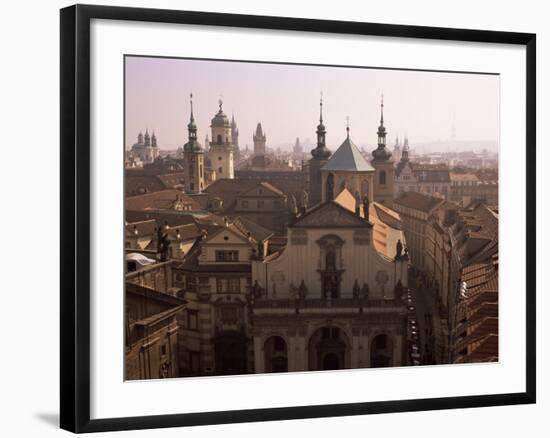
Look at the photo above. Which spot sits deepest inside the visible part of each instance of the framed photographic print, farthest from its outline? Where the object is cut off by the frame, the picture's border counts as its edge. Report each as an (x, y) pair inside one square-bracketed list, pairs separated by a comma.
[(269, 218)]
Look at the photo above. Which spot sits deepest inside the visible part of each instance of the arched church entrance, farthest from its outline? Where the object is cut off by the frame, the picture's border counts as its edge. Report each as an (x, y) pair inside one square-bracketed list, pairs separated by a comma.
[(230, 349), (276, 355), (329, 349), (381, 351)]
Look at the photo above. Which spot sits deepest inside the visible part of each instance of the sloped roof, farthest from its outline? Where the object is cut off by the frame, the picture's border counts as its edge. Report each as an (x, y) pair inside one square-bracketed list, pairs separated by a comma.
[(386, 223), (258, 232), (348, 158), (141, 228), (161, 200), (267, 186), (418, 201)]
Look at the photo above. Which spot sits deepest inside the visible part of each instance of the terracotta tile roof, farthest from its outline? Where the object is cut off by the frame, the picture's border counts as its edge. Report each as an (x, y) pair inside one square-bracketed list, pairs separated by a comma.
[(171, 199), (418, 201), (477, 332), (386, 223), (185, 232), (464, 177), (136, 183), (141, 228), (431, 172), (258, 232), (484, 349), (228, 190)]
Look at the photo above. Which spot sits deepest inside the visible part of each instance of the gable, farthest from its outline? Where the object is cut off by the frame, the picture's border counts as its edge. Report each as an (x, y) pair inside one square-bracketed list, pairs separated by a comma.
[(330, 215), (226, 236)]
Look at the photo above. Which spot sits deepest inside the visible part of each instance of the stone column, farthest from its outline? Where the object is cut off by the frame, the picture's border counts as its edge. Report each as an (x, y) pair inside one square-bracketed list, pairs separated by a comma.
[(355, 348), (365, 350), (259, 365)]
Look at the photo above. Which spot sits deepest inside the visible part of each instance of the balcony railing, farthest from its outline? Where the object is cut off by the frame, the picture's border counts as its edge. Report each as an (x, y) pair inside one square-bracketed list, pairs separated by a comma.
[(320, 303)]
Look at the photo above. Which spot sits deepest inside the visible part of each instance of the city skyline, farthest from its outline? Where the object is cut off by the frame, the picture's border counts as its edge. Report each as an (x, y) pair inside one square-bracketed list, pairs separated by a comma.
[(425, 106)]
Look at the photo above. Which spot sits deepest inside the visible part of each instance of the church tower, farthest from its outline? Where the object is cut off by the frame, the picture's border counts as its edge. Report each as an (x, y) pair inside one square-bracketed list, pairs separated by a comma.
[(383, 163), (235, 138), (259, 140), (320, 155), (221, 145), (193, 158), (147, 138)]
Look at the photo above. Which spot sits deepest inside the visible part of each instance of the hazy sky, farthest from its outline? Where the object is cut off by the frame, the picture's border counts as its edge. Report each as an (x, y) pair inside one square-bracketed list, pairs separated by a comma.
[(285, 99)]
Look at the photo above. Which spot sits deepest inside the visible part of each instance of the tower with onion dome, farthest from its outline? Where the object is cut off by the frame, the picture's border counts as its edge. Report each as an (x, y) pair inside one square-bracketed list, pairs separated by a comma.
[(382, 161), (221, 145), (320, 156), (193, 157)]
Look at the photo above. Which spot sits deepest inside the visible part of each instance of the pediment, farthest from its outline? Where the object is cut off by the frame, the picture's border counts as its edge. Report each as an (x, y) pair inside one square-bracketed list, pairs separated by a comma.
[(330, 215)]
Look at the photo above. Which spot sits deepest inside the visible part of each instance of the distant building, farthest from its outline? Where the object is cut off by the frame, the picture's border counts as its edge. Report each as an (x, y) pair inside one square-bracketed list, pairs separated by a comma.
[(259, 138), (235, 139), (467, 187), (423, 178), (146, 148), (396, 154), (297, 148)]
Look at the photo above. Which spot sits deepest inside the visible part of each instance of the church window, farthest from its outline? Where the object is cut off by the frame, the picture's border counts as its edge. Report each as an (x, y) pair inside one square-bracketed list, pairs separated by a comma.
[(219, 170), (330, 260), (227, 285), (192, 319), (227, 256), (219, 158), (382, 177), (219, 138)]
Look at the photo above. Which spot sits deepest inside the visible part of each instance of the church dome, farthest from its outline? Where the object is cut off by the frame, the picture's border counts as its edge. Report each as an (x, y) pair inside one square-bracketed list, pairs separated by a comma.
[(381, 153), (220, 119), (321, 152), (192, 146)]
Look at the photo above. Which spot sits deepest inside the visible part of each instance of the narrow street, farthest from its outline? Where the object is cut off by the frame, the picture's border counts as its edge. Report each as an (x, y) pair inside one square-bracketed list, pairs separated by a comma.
[(431, 333)]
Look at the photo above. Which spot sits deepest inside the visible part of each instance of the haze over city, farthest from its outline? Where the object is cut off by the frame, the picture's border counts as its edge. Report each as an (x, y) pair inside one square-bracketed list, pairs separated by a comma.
[(452, 110)]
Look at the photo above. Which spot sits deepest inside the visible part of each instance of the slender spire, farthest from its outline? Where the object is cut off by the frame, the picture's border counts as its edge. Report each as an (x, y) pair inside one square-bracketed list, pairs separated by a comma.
[(347, 126), (321, 109), (321, 152), (382, 109), (381, 153), (192, 126), (220, 103)]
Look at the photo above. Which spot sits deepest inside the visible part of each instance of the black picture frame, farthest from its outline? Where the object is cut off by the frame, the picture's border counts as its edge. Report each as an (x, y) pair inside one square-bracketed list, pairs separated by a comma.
[(75, 217)]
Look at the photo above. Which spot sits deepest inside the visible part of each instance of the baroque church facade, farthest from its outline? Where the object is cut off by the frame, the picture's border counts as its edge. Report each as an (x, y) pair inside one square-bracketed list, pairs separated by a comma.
[(145, 149)]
